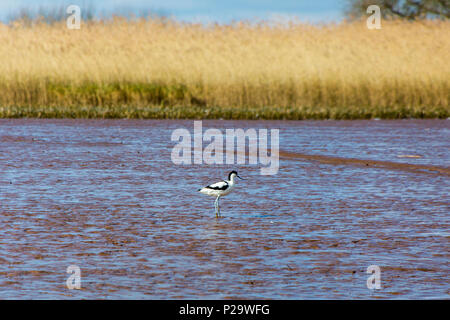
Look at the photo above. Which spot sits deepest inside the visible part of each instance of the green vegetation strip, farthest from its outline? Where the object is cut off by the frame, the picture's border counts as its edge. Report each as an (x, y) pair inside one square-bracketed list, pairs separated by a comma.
[(154, 101)]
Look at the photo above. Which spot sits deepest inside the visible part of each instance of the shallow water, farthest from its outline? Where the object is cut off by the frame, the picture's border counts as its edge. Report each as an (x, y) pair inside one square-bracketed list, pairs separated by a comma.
[(105, 196)]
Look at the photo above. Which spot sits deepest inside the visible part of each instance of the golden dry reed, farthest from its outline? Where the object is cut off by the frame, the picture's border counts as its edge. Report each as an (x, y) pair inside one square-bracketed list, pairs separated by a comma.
[(165, 69)]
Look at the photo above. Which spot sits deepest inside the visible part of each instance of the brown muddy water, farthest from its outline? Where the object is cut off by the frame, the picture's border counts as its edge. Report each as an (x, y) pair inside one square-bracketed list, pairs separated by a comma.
[(104, 195)]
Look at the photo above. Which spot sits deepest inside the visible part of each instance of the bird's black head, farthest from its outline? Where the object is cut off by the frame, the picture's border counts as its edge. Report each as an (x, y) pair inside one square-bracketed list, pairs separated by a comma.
[(233, 172)]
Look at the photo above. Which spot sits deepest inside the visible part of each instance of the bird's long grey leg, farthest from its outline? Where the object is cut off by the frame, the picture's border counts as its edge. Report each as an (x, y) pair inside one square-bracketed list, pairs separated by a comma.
[(216, 205)]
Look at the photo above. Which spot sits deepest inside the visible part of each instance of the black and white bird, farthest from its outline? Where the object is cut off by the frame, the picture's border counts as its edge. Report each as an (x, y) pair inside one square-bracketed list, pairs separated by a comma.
[(220, 189)]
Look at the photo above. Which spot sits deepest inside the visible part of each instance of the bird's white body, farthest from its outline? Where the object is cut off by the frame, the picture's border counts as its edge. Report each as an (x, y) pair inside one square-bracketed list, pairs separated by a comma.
[(220, 189)]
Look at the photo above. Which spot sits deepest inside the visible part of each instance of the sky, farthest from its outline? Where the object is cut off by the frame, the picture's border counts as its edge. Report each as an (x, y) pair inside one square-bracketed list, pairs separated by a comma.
[(222, 11)]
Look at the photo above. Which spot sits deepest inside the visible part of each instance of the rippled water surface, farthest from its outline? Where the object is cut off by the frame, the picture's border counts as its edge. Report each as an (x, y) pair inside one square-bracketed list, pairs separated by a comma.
[(104, 195)]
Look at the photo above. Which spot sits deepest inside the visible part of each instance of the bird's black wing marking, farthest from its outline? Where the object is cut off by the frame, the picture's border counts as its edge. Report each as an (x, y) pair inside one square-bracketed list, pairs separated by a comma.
[(222, 185)]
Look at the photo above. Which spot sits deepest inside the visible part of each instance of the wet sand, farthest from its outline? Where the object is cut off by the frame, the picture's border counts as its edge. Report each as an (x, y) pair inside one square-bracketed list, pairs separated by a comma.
[(104, 195), (388, 165)]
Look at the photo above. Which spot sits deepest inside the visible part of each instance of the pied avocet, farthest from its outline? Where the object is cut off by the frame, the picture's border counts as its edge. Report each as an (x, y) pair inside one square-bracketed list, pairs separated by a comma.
[(220, 189)]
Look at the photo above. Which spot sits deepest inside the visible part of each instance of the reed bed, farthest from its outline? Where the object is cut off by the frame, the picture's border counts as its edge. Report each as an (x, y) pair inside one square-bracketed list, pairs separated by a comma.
[(165, 69)]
